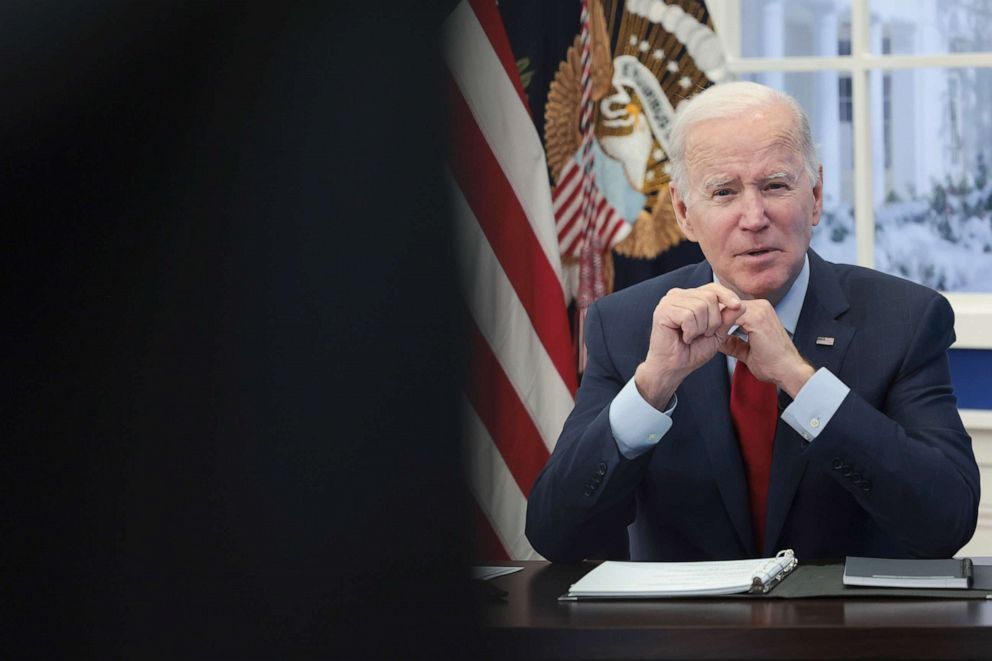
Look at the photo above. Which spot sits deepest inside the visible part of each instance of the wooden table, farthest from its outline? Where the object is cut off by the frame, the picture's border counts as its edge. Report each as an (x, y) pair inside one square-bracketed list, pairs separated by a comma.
[(531, 624)]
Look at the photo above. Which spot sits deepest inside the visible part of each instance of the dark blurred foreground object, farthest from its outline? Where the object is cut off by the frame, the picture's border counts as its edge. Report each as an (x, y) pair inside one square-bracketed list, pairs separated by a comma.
[(229, 425)]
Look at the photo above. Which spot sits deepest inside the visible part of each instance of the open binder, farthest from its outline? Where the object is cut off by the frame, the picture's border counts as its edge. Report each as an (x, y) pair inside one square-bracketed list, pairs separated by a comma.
[(654, 580)]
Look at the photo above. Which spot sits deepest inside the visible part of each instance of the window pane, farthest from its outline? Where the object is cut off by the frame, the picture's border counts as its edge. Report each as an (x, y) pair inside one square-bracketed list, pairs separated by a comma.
[(776, 28), (932, 148), (927, 27), (820, 94)]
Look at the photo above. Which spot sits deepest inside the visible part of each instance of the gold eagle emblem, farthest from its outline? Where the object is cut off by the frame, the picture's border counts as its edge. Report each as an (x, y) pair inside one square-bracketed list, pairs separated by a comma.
[(660, 54)]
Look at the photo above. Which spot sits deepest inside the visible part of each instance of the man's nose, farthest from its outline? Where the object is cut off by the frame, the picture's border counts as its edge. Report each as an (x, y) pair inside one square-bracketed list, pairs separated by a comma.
[(753, 215)]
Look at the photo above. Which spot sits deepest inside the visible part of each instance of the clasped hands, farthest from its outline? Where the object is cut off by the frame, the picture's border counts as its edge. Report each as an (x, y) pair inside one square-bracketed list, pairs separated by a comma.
[(691, 325)]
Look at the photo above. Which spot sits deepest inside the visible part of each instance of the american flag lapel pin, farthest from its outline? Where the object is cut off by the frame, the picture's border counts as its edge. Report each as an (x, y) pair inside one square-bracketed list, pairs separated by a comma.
[(825, 341)]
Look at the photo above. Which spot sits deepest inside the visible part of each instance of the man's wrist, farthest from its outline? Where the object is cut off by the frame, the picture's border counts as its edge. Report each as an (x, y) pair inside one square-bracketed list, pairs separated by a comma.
[(656, 390), (797, 378), (637, 426)]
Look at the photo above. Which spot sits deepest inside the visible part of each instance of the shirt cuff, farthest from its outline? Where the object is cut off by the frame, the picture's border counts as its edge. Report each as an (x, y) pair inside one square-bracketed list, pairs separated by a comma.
[(815, 403), (637, 426)]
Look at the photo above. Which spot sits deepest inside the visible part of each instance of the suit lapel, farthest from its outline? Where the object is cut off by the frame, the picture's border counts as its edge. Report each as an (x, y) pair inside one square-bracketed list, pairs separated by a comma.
[(825, 302)]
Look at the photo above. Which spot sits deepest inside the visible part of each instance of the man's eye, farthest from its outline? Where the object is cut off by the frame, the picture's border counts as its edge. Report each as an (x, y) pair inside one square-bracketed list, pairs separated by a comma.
[(777, 185), (723, 192)]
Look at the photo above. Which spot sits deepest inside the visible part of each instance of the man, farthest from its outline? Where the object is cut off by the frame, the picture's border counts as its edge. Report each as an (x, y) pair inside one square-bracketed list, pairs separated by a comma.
[(764, 398)]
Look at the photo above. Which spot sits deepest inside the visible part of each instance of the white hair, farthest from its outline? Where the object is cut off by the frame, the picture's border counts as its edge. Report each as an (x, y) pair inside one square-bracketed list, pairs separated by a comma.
[(729, 100)]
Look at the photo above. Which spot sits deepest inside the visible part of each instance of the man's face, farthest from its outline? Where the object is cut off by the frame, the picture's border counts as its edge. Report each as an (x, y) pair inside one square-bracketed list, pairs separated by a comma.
[(749, 205)]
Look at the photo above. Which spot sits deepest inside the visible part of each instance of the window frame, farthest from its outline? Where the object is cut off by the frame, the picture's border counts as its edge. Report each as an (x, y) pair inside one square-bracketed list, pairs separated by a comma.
[(973, 311)]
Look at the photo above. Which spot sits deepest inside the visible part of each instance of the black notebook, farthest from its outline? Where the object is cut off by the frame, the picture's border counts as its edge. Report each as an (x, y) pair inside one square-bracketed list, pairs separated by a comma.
[(912, 573)]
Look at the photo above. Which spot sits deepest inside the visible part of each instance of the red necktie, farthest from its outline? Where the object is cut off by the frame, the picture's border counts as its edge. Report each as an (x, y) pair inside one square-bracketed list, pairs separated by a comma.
[(754, 411)]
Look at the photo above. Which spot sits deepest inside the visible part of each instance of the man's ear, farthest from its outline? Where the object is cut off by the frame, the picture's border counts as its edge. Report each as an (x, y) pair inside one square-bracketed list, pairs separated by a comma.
[(818, 197), (681, 215)]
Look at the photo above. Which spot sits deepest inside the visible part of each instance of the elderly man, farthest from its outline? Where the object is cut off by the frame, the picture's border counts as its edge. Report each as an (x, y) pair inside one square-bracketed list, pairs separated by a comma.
[(764, 398)]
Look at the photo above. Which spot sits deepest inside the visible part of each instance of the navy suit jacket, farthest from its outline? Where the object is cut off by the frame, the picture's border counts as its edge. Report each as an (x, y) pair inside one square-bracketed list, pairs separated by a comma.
[(893, 474)]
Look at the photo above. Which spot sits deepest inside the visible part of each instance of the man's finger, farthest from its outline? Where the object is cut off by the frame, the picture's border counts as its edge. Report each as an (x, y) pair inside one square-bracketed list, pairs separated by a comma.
[(714, 316), (694, 316), (708, 308), (681, 318), (730, 316), (737, 348), (724, 296)]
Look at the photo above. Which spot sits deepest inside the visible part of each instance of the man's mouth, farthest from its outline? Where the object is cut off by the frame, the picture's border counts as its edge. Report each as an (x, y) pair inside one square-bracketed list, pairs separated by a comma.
[(757, 252)]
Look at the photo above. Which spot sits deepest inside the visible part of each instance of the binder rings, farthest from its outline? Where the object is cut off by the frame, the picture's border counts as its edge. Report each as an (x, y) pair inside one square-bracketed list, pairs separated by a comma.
[(654, 580)]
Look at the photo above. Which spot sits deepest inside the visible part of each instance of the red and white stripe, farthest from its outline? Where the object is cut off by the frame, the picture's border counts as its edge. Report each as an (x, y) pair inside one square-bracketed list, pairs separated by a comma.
[(582, 214), (523, 382), (608, 225)]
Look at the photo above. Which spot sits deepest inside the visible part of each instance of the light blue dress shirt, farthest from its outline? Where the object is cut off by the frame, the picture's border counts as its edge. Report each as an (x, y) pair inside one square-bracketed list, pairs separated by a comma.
[(637, 426)]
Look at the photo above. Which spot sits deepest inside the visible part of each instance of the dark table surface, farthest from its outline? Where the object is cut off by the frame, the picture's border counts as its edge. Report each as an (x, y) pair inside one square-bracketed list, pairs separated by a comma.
[(530, 622)]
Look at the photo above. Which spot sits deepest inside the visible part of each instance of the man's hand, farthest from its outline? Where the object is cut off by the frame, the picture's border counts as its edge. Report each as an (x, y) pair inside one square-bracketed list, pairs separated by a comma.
[(689, 327), (769, 352)]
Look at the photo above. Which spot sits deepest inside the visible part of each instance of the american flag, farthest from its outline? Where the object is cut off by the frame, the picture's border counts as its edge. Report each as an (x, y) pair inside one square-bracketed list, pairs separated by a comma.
[(572, 218), (586, 223), (523, 379)]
